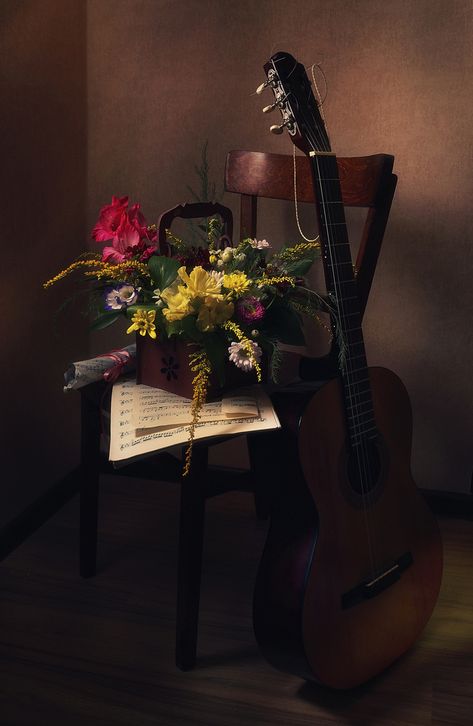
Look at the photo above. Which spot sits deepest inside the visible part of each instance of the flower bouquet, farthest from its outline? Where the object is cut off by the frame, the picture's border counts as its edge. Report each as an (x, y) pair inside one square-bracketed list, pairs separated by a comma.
[(229, 308)]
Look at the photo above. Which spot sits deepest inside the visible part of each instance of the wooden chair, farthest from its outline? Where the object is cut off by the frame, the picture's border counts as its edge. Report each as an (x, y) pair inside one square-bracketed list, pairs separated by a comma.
[(366, 182)]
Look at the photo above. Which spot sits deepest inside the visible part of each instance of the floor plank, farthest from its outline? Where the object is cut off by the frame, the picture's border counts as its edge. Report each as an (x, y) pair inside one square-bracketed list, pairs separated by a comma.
[(101, 651)]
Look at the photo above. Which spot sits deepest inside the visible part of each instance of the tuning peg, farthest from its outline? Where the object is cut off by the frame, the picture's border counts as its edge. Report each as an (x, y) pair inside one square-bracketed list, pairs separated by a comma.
[(261, 87), (275, 129), (268, 109)]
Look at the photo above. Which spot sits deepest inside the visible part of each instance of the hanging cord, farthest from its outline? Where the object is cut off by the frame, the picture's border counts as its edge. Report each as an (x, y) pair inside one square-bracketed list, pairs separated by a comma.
[(320, 105), (296, 209)]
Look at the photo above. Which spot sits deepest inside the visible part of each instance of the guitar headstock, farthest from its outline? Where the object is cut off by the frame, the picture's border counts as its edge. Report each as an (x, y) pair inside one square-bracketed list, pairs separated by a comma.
[(294, 97)]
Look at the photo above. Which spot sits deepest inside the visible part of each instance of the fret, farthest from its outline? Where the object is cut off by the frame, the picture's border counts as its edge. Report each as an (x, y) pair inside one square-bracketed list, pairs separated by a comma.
[(357, 435), (358, 342), (354, 399), (355, 369), (356, 330), (360, 395), (339, 263), (359, 414), (359, 439), (366, 431), (350, 315)]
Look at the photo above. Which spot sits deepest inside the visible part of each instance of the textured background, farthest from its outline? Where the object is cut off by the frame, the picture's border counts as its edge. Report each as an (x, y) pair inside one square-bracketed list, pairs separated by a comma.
[(164, 77), (43, 191)]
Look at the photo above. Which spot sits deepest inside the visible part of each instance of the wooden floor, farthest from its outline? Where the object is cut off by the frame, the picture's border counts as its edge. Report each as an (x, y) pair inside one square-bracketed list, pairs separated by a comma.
[(101, 651)]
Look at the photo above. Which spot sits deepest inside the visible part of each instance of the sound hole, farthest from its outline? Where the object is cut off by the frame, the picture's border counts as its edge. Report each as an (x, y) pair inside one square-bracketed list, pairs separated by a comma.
[(364, 464)]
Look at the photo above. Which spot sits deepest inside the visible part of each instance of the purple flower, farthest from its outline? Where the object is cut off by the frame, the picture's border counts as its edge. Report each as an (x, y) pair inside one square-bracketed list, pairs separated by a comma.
[(120, 296), (250, 310)]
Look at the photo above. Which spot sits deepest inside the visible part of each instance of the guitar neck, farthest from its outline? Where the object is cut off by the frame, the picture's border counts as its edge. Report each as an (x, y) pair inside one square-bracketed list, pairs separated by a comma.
[(341, 285)]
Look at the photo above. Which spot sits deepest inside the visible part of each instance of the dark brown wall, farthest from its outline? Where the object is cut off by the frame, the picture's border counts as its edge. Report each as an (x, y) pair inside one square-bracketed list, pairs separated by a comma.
[(166, 76), (43, 136)]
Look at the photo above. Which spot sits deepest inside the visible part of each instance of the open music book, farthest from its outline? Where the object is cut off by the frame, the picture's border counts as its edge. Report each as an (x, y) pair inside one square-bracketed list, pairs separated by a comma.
[(144, 419)]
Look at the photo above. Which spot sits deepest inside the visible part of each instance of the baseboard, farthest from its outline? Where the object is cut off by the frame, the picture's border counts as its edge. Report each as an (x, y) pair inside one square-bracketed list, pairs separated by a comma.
[(13, 534)]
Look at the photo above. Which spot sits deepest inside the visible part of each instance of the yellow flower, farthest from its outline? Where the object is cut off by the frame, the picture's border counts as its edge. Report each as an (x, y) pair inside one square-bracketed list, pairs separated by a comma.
[(200, 283), (213, 312), (178, 302), (236, 282), (143, 322)]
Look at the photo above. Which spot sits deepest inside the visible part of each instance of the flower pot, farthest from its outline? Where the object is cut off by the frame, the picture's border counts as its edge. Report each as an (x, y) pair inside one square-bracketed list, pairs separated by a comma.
[(166, 366)]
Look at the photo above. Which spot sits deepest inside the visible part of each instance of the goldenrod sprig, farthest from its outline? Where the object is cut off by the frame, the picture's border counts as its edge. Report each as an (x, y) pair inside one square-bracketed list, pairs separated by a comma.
[(294, 253), (116, 271), (78, 264), (176, 242), (101, 270), (214, 227), (310, 312), (263, 281), (247, 345), (200, 365)]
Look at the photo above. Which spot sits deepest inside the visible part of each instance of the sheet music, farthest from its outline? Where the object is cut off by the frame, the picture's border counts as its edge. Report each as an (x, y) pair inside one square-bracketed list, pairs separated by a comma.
[(83, 372), (130, 401), (154, 408)]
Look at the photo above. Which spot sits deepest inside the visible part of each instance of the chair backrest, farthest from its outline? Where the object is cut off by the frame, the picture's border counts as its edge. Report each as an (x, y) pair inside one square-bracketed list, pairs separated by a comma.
[(366, 181)]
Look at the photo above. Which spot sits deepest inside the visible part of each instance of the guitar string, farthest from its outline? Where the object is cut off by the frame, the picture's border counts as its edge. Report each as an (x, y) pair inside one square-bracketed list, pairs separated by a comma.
[(360, 452), (361, 461), (365, 463), (364, 444)]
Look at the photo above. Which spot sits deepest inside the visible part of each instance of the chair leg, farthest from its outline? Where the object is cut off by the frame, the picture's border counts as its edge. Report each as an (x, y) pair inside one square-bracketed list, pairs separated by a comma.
[(191, 537), (89, 487), (261, 453)]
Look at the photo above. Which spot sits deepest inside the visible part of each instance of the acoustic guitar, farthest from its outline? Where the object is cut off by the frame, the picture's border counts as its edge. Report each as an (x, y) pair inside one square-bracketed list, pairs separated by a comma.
[(352, 565)]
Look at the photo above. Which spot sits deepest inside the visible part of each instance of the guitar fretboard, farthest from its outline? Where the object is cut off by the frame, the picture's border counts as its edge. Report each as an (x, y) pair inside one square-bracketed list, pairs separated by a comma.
[(342, 287)]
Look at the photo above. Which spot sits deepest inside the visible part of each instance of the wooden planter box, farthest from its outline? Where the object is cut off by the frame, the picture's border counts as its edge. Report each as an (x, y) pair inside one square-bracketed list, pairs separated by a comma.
[(166, 366)]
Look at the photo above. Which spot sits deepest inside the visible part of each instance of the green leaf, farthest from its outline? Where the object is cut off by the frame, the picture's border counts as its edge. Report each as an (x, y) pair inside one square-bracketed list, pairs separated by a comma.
[(299, 268), (163, 270), (284, 325), (216, 349), (104, 320)]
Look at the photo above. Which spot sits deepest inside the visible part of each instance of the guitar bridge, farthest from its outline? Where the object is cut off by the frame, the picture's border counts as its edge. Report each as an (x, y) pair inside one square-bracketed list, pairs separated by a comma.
[(372, 588)]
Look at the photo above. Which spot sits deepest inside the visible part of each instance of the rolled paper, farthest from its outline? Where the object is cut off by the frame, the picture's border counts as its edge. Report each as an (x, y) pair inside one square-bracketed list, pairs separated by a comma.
[(108, 367)]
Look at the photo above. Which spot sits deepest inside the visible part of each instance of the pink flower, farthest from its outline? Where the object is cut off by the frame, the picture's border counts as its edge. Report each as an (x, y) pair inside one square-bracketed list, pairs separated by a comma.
[(126, 229), (110, 219), (147, 253)]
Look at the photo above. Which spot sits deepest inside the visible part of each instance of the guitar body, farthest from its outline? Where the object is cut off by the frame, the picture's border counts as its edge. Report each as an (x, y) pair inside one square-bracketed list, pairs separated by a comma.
[(348, 578)]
